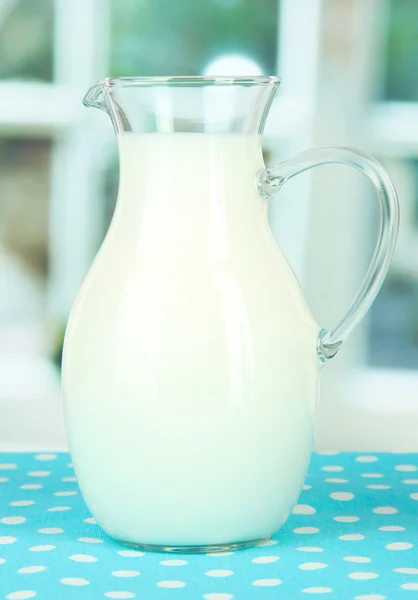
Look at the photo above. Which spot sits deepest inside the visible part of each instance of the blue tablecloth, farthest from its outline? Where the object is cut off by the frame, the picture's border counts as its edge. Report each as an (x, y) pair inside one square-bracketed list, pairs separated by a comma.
[(353, 535)]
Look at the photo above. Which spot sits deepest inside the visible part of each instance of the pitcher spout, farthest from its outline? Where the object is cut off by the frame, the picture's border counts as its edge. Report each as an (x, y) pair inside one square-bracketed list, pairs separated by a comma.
[(96, 96)]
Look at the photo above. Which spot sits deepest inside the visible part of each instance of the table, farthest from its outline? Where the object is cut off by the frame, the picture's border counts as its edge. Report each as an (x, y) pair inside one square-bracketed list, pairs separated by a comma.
[(353, 535)]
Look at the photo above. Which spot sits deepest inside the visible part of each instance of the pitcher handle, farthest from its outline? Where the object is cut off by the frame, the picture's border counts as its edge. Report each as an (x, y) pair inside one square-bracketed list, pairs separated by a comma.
[(269, 181)]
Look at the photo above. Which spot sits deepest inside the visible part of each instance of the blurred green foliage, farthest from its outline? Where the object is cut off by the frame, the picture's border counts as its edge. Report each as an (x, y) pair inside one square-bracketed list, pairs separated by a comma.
[(401, 73), (180, 37), (26, 39)]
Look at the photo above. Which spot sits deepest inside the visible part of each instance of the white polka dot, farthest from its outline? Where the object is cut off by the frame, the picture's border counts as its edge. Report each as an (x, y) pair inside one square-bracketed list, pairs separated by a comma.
[(407, 468), (219, 573), (336, 480), (218, 596), (90, 520), (34, 569), (21, 595), (22, 503), (41, 548), (306, 486), (267, 582), (7, 539), (342, 496), (90, 540), (262, 544), (410, 586), (414, 496), (2, 561), (69, 479), (76, 581), (363, 575), (124, 573), (358, 559), (58, 508), (378, 487), (39, 473), (264, 559), (84, 558), (31, 486), (370, 597), (317, 590), (344, 519), (410, 481), (71, 465), (372, 475), (392, 528), (303, 509), (173, 563), (120, 595), (399, 546), (69, 493), (312, 566), (332, 468), (310, 549), (13, 520), (385, 510), (130, 553), (366, 459), (46, 456), (4, 479), (216, 554), (351, 537), (171, 584), (407, 570), (7, 466), (51, 530), (306, 530)]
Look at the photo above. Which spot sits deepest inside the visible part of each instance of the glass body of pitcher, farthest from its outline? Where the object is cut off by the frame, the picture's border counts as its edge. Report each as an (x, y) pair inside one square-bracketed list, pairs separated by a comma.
[(191, 361)]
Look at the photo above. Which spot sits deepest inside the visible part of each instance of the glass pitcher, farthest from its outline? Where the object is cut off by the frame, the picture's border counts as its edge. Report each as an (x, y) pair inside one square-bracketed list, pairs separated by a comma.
[(191, 360)]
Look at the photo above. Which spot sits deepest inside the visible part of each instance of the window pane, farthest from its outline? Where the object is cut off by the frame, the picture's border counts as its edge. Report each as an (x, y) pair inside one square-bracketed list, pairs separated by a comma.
[(190, 35), (393, 334), (24, 200), (401, 81), (26, 39)]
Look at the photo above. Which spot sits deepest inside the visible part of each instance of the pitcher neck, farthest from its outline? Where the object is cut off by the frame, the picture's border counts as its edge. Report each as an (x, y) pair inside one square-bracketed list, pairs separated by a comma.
[(185, 104)]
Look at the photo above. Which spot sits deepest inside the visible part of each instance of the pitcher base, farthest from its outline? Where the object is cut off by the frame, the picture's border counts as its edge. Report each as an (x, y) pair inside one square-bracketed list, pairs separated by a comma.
[(209, 549)]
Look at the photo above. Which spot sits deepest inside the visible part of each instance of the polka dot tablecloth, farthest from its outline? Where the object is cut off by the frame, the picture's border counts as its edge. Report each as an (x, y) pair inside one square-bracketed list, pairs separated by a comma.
[(353, 535)]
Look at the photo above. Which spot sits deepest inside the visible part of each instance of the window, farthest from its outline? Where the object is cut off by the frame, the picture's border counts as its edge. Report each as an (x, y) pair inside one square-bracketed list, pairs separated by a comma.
[(348, 78), (190, 35)]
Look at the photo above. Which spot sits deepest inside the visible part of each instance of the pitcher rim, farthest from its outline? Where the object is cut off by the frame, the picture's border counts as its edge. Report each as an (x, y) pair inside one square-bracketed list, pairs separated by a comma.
[(197, 80)]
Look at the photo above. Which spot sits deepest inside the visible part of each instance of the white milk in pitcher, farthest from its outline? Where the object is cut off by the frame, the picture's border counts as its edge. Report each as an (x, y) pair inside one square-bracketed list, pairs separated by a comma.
[(191, 373)]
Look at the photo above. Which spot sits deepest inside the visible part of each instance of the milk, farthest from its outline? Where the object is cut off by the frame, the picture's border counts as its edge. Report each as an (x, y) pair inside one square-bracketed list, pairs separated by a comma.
[(190, 366)]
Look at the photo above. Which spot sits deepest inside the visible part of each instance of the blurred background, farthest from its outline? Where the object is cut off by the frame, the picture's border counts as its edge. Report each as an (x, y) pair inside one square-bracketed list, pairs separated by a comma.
[(349, 71)]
